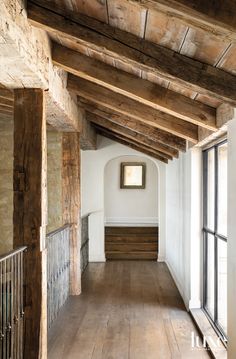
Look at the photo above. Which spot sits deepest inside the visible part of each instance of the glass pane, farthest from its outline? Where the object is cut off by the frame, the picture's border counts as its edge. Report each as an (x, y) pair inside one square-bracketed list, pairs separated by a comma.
[(222, 284), (210, 290), (222, 189), (211, 189)]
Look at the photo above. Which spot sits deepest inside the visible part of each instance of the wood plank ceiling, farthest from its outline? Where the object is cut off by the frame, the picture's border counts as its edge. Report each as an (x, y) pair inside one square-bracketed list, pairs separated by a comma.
[(149, 73)]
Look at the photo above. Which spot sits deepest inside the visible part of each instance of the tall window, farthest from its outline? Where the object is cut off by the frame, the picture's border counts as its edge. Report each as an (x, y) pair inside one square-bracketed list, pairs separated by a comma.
[(215, 235)]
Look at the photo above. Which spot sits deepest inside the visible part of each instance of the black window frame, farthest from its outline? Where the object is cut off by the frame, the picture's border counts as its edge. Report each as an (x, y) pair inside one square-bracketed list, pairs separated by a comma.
[(215, 234)]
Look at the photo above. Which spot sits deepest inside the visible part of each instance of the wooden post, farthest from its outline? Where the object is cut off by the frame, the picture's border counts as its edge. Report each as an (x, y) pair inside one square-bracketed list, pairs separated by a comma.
[(30, 213), (71, 204)]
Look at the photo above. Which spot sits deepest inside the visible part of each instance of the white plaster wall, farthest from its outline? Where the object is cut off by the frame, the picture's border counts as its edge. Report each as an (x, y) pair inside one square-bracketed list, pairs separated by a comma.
[(232, 239), (183, 224), (131, 206), (93, 197)]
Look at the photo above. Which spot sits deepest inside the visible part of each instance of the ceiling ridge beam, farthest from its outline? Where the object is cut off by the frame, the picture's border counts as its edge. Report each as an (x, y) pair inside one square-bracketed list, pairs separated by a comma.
[(124, 46), (134, 87)]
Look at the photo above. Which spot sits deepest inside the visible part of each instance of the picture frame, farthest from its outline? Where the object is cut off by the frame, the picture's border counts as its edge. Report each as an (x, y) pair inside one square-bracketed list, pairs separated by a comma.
[(133, 175)]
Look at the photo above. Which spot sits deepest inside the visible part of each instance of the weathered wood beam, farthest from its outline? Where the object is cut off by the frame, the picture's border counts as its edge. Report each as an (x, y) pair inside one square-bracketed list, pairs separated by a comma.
[(124, 141), (30, 213), (26, 63), (137, 52), (157, 154), (133, 124), (71, 204), (225, 114), (88, 136), (134, 109), (211, 16), (136, 88), (165, 150)]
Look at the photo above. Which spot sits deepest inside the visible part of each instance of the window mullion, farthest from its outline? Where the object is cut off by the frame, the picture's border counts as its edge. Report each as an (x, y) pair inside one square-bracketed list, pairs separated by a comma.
[(215, 238)]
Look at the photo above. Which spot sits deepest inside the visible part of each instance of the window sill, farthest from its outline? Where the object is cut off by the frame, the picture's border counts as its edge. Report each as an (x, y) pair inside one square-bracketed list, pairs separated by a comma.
[(204, 326)]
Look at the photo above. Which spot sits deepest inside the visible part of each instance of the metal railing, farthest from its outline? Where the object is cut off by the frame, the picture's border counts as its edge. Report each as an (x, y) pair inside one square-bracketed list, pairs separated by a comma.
[(11, 304), (58, 271)]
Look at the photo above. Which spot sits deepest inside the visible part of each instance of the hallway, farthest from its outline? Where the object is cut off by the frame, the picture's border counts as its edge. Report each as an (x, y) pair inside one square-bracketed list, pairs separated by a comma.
[(126, 310)]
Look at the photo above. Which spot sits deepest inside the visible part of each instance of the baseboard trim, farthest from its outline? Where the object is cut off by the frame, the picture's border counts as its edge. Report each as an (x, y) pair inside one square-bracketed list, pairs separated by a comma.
[(186, 302), (97, 259), (134, 221), (161, 259)]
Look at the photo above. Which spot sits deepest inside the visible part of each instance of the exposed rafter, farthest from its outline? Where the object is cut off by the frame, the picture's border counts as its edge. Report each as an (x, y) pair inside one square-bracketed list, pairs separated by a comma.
[(132, 144), (134, 109), (132, 50), (165, 150), (133, 87), (133, 124)]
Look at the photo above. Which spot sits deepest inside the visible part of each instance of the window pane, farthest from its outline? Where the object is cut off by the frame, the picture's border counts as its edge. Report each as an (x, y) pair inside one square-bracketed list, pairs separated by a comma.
[(222, 284), (222, 189), (211, 189), (210, 269)]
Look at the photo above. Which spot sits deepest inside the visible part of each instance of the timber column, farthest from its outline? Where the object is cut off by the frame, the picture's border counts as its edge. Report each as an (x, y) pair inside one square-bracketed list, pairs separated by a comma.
[(30, 213), (71, 203)]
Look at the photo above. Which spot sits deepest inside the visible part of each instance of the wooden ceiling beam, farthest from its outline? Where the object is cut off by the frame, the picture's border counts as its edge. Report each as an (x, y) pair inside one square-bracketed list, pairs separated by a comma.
[(165, 150), (138, 126), (88, 136), (132, 50), (213, 17), (133, 87), (127, 142), (134, 109), (134, 142)]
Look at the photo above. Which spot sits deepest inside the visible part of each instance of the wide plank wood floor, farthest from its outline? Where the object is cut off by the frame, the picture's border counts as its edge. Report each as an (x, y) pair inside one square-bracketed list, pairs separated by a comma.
[(128, 310)]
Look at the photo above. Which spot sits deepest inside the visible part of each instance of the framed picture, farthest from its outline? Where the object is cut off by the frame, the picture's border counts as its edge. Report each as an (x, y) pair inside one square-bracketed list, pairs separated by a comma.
[(133, 175)]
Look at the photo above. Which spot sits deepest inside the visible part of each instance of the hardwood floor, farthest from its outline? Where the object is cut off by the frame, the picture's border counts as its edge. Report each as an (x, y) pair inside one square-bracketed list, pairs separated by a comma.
[(128, 310)]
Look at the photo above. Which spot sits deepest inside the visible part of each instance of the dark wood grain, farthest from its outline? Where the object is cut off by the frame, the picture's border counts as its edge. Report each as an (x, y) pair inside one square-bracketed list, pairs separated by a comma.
[(131, 243), (30, 212)]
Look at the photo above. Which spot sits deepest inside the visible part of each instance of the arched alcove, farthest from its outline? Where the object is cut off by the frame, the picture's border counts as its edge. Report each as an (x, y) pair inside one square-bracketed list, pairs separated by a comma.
[(135, 207), (94, 164)]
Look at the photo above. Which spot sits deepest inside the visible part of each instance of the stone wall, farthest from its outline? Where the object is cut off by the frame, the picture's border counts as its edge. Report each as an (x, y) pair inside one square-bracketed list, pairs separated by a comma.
[(54, 144), (6, 185)]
